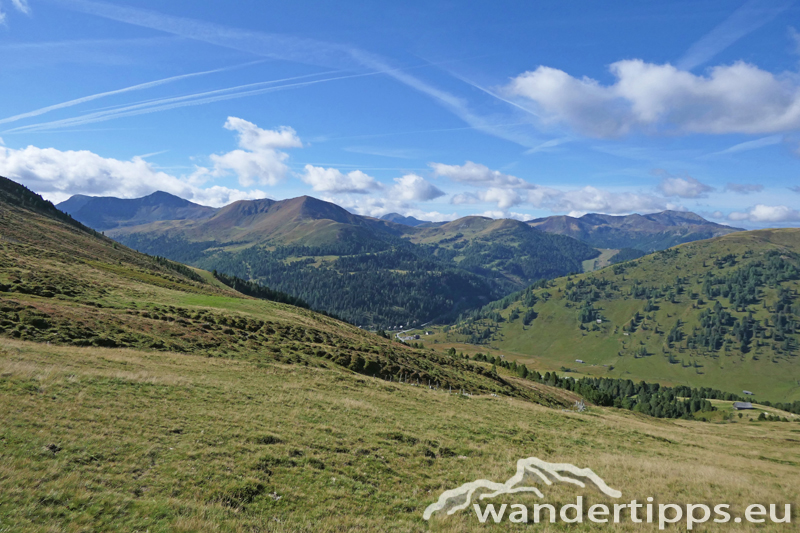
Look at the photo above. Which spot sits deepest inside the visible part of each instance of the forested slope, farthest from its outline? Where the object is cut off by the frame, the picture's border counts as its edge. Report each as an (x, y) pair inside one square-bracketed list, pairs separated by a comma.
[(723, 313)]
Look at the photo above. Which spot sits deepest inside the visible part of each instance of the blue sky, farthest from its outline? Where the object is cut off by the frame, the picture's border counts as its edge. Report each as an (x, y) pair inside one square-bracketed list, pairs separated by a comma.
[(430, 109)]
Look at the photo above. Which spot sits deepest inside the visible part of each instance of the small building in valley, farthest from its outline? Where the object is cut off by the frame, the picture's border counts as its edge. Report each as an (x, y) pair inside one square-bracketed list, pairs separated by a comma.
[(739, 406)]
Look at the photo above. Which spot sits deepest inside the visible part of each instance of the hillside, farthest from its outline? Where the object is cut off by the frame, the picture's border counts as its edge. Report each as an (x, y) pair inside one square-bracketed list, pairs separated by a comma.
[(104, 213), (120, 439), (504, 247), (655, 231), (63, 283), (721, 313), (370, 272)]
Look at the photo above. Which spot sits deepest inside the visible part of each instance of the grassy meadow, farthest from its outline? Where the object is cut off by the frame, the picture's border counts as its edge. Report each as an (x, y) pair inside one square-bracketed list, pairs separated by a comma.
[(96, 439)]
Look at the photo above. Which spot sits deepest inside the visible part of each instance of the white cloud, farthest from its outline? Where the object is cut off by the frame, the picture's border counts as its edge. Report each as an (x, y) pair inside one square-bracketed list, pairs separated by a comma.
[(591, 199), (464, 198), (683, 187), (767, 214), (22, 5), (479, 176), (507, 191), (744, 188), (737, 98), (334, 181), (413, 188), (266, 167), (378, 206), (57, 175), (504, 198), (259, 160), (253, 138)]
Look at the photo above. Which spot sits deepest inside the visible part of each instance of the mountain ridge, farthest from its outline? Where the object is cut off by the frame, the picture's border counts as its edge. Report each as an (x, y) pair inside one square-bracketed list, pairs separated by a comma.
[(649, 232)]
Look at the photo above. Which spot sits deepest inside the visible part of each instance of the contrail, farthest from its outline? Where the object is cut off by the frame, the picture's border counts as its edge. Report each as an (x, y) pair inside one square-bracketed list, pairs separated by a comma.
[(139, 87), (746, 19), (175, 102), (288, 48)]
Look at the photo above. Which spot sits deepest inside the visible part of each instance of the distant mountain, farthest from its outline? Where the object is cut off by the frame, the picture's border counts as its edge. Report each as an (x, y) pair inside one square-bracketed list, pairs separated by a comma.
[(406, 221), (366, 270), (105, 212), (656, 231)]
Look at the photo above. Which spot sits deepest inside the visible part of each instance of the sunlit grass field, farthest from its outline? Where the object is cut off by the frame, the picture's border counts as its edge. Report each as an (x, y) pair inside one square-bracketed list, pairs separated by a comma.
[(95, 439)]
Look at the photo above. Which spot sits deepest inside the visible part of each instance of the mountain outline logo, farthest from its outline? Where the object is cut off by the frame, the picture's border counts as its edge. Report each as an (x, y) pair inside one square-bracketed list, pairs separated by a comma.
[(530, 469)]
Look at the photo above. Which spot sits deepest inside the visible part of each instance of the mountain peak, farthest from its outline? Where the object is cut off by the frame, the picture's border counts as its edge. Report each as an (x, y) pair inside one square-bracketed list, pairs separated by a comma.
[(107, 212)]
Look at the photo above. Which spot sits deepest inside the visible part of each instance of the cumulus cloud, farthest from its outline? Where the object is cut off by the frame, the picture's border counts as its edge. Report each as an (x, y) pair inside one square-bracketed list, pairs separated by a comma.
[(58, 175), (259, 160), (737, 98), (375, 206), (591, 199), (507, 191), (504, 198), (334, 181), (413, 188), (744, 188), (683, 187), (767, 214), (479, 176), (253, 138)]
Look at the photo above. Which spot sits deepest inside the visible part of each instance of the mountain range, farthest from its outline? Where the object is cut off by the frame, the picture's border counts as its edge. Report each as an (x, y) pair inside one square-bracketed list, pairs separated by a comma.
[(368, 271), (648, 233), (374, 272)]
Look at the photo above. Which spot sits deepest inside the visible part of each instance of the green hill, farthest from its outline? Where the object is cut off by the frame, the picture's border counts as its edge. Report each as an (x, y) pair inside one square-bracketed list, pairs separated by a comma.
[(721, 313)]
